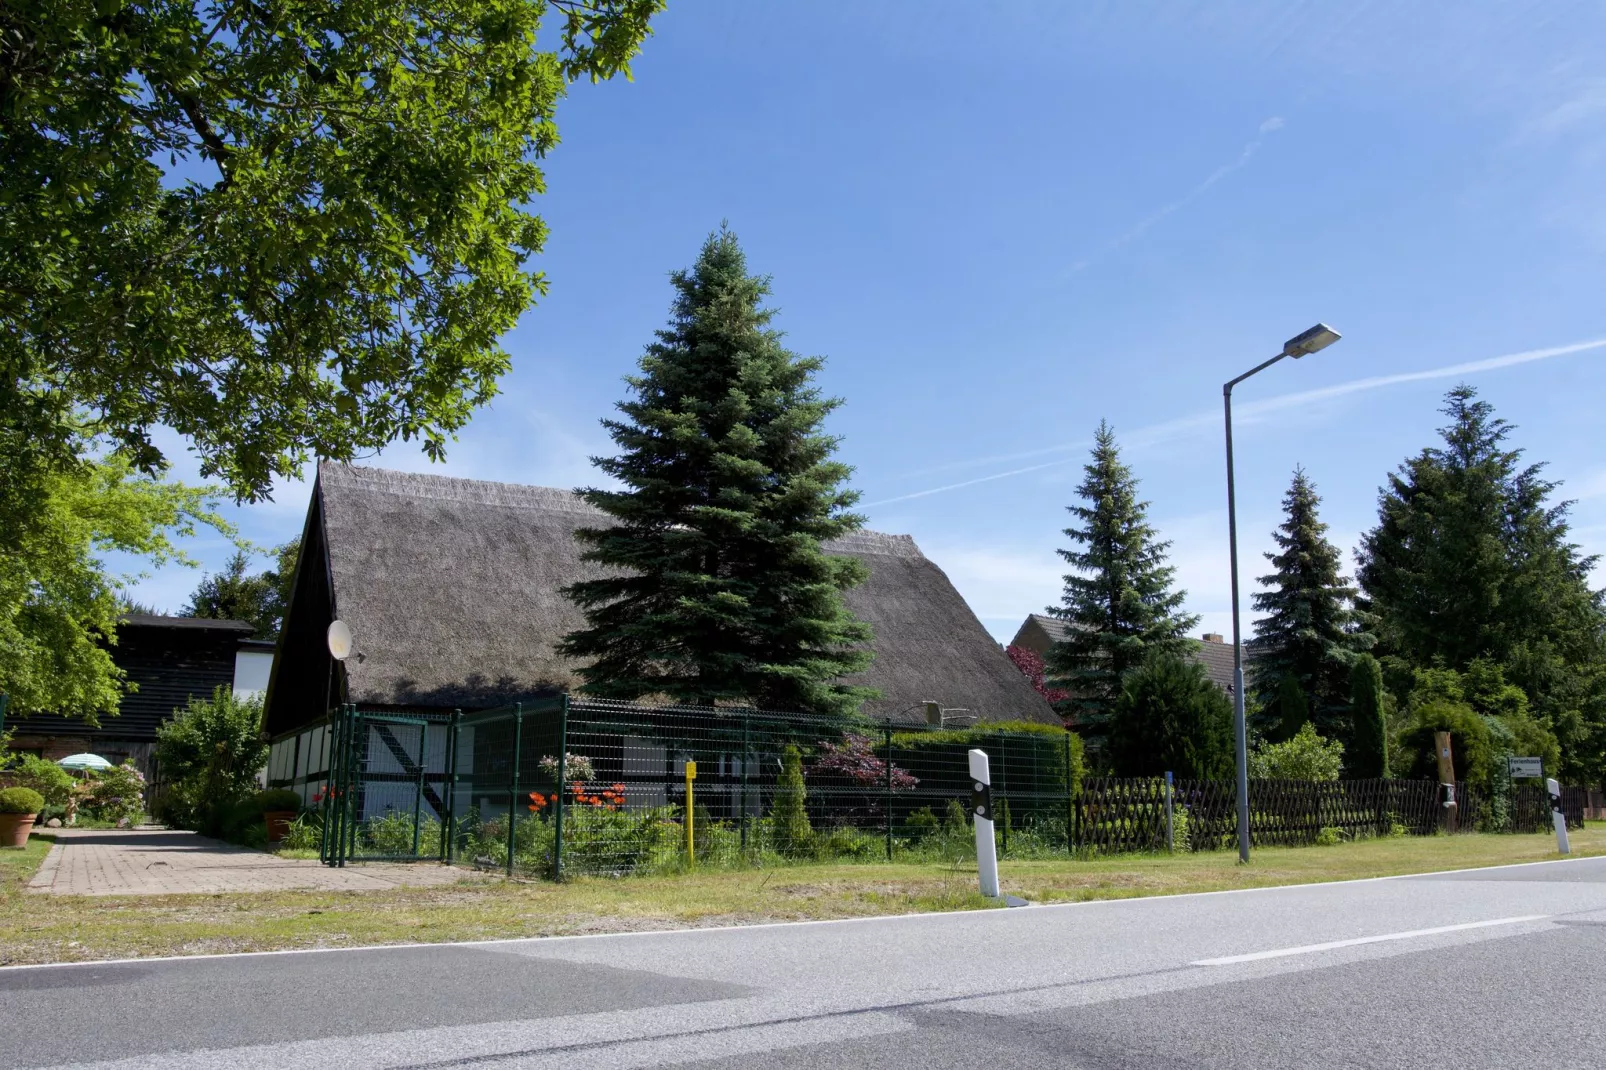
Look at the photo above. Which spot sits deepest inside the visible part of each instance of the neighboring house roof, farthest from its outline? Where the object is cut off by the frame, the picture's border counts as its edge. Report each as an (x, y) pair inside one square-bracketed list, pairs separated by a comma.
[(203, 624), (453, 592), (1039, 631)]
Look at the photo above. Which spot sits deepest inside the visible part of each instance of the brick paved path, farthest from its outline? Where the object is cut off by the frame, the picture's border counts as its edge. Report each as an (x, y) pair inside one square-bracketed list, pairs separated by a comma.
[(159, 862)]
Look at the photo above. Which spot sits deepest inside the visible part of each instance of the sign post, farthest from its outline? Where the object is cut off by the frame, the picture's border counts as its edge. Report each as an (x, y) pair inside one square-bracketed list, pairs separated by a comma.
[(691, 816), (1557, 817), (1441, 745)]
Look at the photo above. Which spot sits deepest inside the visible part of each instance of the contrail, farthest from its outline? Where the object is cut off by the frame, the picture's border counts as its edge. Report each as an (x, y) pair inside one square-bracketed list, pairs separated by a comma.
[(1248, 153), (1161, 432)]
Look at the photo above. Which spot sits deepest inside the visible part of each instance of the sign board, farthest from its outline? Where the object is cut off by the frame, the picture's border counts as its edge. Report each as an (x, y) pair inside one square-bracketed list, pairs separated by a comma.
[(1525, 767)]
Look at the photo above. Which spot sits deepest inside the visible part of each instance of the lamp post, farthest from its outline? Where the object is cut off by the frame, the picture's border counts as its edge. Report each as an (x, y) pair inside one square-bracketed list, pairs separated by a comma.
[(1303, 344)]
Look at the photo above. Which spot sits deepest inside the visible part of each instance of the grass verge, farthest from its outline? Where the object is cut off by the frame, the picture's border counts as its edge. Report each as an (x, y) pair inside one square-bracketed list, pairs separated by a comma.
[(38, 928)]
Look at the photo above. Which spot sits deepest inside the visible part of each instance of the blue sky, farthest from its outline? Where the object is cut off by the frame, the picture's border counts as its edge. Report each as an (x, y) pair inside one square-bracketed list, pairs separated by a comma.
[(1002, 223)]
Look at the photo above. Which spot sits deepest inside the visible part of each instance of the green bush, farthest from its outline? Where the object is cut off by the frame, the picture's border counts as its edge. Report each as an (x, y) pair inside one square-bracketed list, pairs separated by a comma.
[(789, 816), (1307, 756), (1330, 837), (210, 754), (277, 800), (1471, 747), (21, 801), (1368, 755), (43, 776), (392, 834), (1170, 716), (117, 794)]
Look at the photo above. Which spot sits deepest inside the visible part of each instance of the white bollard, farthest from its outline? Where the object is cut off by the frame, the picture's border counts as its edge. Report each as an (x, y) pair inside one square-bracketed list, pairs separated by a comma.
[(981, 799), (1557, 818)]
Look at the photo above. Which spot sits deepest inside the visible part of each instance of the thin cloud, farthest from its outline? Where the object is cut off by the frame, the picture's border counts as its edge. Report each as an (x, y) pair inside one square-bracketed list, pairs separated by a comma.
[(1268, 126), (1170, 429)]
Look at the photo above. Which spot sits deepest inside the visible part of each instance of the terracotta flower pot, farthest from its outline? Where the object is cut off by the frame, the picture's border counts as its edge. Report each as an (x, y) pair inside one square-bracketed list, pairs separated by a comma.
[(279, 822), (14, 829)]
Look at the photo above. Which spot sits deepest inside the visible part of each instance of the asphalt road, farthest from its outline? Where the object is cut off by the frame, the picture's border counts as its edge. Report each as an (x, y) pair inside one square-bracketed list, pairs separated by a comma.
[(1488, 968)]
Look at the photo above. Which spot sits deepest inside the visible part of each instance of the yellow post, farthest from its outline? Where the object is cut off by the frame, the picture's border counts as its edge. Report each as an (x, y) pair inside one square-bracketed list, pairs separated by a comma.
[(691, 818)]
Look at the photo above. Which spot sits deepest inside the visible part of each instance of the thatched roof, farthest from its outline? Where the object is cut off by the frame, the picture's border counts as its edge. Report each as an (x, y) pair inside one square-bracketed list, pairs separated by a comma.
[(452, 589)]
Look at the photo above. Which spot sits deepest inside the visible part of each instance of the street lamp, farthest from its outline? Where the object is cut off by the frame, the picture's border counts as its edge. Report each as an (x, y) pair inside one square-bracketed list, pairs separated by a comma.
[(1303, 344)]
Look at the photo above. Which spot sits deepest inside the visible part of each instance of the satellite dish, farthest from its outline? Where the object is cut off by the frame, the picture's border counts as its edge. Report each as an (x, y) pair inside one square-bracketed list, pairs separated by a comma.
[(339, 640)]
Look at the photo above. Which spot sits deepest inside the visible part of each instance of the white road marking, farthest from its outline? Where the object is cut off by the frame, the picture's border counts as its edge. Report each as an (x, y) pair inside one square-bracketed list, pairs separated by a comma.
[(1307, 949)]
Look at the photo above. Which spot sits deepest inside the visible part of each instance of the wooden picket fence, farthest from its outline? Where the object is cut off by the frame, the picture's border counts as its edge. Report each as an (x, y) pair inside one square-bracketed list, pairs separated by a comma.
[(1120, 814)]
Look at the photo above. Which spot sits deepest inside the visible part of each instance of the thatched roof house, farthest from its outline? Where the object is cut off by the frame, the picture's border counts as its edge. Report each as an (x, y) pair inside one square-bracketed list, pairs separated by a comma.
[(1039, 631), (452, 589)]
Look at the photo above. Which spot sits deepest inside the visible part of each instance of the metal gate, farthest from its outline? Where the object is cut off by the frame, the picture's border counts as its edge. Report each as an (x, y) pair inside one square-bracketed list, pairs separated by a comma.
[(383, 800)]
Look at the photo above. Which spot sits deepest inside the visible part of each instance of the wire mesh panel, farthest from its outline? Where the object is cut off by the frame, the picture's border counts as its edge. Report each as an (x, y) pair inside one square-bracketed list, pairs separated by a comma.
[(603, 788)]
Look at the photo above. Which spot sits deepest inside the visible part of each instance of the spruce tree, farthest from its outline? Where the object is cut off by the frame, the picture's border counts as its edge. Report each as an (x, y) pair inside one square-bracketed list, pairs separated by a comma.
[(1309, 631), (718, 589), (1470, 559), (1118, 602), (1367, 756)]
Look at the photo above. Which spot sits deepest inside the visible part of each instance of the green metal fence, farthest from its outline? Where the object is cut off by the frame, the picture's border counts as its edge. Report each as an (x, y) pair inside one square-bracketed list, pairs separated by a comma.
[(571, 786)]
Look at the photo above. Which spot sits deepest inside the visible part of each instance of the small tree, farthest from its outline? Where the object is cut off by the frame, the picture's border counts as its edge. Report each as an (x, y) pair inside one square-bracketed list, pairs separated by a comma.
[(1368, 750), (1118, 600), (1471, 744), (1170, 716), (789, 817), (1310, 630), (261, 598), (1305, 756), (210, 754)]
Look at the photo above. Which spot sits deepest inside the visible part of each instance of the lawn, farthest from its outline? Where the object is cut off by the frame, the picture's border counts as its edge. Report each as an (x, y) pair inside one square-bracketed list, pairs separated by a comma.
[(36, 928)]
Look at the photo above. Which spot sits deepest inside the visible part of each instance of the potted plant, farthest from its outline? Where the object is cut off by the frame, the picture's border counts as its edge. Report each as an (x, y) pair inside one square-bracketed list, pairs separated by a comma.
[(18, 808), (279, 807)]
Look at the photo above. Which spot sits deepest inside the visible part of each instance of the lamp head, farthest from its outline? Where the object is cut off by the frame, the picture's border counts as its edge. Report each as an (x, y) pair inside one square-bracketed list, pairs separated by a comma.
[(1314, 340)]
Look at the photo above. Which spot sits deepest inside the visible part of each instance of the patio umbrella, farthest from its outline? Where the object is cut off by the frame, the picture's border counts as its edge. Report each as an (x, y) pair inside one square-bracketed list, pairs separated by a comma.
[(84, 761)]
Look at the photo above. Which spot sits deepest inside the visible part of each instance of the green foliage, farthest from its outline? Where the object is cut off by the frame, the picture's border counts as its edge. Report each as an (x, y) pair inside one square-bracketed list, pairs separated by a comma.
[(1170, 716), (789, 816), (58, 607), (1306, 756), (261, 598), (1329, 836), (1293, 710), (1368, 749), (282, 230), (210, 754), (117, 794), (40, 774), (277, 800), (1309, 631), (20, 800), (1118, 599), (392, 834), (1471, 561), (304, 834), (1471, 745), (718, 588)]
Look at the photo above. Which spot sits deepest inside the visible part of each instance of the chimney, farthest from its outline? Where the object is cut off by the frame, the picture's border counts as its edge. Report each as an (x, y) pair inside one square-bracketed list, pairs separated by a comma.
[(1213, 637)]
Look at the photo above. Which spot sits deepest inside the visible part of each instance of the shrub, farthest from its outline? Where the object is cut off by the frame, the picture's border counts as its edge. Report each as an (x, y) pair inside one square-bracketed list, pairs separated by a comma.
[(1368, 754), (43, 776), (1330, 836), (1307, 756), (392, 834), (21, 801), (1292, 706), (1170, 716), (789, 817), (277, 800), (117, 794), (210, 754), (1470, 742), (305, 833)]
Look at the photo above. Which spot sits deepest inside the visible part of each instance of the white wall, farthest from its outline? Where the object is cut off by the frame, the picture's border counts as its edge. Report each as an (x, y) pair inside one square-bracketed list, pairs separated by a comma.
[(251, 670)]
